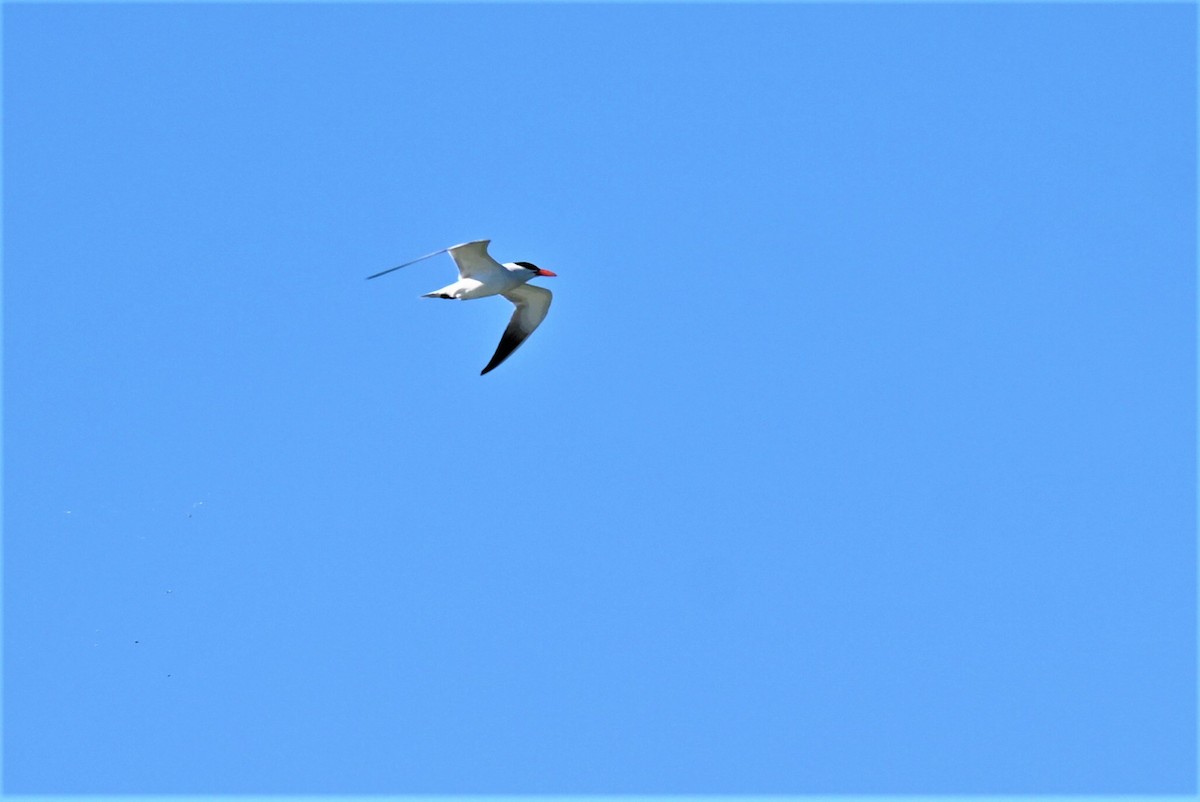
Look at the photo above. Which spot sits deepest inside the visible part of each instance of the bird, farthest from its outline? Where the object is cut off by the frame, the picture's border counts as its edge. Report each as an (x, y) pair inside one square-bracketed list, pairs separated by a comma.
[(479, 276)]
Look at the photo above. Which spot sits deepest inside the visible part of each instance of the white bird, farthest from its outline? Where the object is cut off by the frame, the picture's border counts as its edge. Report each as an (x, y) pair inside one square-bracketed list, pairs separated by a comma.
[(479, 276)]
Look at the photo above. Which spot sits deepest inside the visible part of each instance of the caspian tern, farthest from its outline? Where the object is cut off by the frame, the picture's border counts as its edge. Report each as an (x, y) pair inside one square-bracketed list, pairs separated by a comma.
[(479, 276)]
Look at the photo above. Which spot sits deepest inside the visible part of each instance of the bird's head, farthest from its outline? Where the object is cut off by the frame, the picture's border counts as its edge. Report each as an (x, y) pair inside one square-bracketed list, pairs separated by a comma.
[(537, 271)]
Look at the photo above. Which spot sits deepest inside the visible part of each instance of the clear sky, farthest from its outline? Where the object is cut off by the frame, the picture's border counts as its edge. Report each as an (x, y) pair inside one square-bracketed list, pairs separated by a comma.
[(857, 453)]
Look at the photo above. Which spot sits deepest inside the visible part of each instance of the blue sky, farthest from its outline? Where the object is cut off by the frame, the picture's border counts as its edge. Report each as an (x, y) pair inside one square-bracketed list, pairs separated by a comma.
[(856, 455)]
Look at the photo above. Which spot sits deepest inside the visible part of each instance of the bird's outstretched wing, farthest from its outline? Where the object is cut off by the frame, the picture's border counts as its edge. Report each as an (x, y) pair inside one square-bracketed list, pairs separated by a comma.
[(532, 305), (471, 257), (473, 260)]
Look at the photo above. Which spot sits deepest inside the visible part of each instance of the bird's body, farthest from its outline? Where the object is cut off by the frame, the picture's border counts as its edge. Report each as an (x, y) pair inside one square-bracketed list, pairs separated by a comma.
[(479, 276), (465, 289)]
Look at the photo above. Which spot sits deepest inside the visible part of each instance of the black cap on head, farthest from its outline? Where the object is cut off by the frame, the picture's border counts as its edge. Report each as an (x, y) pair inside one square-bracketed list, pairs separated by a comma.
[(528, 265)]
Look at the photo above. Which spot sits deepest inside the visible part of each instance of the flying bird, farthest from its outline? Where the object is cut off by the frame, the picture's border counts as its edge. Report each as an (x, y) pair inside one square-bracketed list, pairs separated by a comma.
[(479, 276)]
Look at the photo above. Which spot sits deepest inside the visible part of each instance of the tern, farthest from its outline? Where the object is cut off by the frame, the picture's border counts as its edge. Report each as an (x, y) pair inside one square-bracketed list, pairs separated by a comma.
[(479, 276)]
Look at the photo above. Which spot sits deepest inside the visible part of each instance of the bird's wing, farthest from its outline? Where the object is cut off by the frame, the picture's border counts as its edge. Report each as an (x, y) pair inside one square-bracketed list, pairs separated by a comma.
[(473, 260), (406, 264), (471, 257), (532, 305)]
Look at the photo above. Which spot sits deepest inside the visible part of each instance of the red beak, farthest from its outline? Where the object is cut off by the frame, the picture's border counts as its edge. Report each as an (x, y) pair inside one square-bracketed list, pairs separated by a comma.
[(547, 273)]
